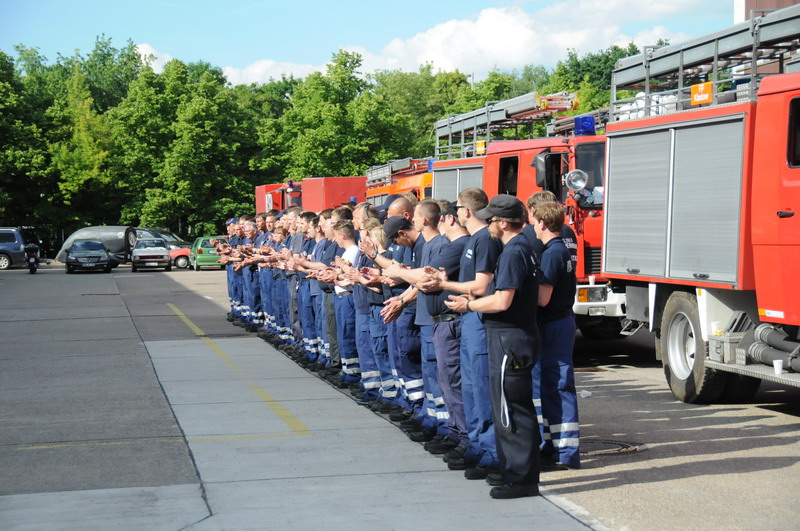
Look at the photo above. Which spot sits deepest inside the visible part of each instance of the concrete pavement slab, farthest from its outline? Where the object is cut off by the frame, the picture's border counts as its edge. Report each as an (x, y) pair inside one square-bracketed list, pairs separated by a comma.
[(153, 508)]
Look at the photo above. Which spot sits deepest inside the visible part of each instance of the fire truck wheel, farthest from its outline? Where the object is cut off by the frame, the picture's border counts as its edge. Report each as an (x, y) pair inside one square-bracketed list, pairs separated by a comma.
[(740, 388), (684, 352)]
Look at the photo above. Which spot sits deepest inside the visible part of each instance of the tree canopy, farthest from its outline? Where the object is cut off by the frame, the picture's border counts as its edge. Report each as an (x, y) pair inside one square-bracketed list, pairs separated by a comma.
[(103, 139)]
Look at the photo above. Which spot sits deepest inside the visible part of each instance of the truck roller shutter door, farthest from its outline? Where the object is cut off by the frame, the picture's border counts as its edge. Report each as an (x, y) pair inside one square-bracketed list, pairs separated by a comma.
[(636, 209), (706, 201)]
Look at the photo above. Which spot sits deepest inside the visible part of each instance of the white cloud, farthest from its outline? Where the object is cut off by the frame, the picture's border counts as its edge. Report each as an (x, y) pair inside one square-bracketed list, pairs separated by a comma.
[(158, 59), (261, 71)]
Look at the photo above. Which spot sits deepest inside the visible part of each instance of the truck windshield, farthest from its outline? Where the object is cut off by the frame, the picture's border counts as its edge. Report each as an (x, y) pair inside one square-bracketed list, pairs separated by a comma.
[(590, 157)]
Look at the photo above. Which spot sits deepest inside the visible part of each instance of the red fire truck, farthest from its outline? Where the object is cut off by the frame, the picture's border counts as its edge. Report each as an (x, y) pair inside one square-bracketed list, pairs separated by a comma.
[(313, 193), (569, 166), (702, 229)]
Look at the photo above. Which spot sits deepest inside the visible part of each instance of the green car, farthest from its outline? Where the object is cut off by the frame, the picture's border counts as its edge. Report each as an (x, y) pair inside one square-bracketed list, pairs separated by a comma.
[(202, 253)]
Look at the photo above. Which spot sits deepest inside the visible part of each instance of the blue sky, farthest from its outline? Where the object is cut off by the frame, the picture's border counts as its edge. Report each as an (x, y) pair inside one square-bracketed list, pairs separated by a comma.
[(255, 40)]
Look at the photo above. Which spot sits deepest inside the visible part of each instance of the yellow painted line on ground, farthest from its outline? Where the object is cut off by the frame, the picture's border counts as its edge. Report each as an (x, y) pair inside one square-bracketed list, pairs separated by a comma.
[(297, 427)]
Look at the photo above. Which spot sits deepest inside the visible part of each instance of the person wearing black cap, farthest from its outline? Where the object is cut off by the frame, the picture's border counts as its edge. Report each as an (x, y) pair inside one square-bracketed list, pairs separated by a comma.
[(509, 312)]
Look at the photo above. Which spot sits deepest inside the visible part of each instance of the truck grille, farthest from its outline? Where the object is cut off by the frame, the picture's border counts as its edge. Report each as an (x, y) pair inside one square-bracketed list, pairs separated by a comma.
[(593, 263)]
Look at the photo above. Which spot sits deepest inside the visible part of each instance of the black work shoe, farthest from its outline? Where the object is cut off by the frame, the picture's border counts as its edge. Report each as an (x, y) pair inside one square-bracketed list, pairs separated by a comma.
[(495, 479), (381, 407), (441, 447), (422, 436), (229, 317), (410, 428), (480, 472), (399, 416), (510, 491), (548, 465), (461, 464), (455, 453), (410, 423)]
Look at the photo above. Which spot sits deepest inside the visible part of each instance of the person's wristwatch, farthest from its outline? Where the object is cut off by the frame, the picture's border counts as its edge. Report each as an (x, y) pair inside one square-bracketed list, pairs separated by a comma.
[(374, 255)]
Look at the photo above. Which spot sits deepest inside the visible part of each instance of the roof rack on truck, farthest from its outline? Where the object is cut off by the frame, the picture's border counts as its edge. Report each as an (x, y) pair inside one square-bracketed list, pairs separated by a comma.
[(467, 134), (383, 174), (716, 69)]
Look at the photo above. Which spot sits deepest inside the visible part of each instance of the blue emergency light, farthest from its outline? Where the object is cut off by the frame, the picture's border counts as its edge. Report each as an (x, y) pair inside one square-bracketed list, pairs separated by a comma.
[(584, 126)]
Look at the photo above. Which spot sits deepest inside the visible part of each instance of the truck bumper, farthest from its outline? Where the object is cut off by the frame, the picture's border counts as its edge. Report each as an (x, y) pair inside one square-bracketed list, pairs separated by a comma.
[(598, 301)]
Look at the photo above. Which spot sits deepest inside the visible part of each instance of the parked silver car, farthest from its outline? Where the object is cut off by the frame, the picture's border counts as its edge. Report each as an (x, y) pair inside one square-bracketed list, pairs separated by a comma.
[(150, 253)]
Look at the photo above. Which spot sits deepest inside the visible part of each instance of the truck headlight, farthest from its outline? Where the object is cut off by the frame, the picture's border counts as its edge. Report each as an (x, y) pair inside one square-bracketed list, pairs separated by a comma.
[(592, 294)]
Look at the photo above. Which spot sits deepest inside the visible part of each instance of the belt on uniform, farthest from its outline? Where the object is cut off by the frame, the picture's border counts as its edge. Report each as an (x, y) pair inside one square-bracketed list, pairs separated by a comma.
[(345, 293), (444, 317)]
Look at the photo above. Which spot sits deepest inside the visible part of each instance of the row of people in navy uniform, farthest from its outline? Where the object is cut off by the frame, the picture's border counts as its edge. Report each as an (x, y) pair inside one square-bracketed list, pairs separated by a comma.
[(454, 319)]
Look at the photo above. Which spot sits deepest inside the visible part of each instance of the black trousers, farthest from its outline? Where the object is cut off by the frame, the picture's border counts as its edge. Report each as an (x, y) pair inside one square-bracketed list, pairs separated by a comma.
[(512, 354)]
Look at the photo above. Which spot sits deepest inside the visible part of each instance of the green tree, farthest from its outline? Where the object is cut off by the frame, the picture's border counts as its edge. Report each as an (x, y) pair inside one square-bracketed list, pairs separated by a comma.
[(82, 157)]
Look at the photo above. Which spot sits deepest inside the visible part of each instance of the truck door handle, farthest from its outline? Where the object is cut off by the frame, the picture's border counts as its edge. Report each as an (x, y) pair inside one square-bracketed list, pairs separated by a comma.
[(700, 276), (785, 213), (632, 270)]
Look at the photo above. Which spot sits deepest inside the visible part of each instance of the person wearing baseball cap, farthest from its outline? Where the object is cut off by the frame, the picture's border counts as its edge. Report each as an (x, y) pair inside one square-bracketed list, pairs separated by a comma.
[(509, 314)]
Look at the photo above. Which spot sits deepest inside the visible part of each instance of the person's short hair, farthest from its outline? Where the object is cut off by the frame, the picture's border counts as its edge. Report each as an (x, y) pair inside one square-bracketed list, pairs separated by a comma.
[(280, 230), (372, 212), (429, 209), (262, 215), (272, 212), (412, 197), (326, 214), (314, 222), (348, 204), (473, 198), (370, 224), (246, 217), (345, 227), (444, 205), (343, 213), (551, 214), (250, 225), (545, 196), (375, 230), (307, 215)]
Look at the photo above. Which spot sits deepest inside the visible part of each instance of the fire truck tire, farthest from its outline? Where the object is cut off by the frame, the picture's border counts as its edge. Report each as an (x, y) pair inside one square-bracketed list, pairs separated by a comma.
[(740, 388), (684, 352)]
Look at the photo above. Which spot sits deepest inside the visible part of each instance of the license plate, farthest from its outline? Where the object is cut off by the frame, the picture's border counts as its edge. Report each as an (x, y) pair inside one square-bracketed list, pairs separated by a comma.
[(87, 265), (151, 264), (31, 260)]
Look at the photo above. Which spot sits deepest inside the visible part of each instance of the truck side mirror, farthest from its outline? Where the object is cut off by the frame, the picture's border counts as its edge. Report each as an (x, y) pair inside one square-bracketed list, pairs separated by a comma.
[(540, 163)]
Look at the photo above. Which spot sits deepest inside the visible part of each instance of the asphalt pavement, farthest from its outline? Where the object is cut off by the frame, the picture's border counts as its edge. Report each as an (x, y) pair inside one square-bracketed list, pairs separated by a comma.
[(127, 401)]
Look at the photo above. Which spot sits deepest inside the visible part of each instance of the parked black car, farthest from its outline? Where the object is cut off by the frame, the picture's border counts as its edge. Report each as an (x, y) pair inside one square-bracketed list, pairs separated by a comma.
[(88, 255)]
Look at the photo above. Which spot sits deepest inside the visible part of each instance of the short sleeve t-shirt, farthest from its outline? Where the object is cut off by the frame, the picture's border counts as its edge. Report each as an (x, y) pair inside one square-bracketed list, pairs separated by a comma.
[(516, 269), (430, 250), (567, 235), (557, 270), (480, 255), (449, 258), (350, 254)]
